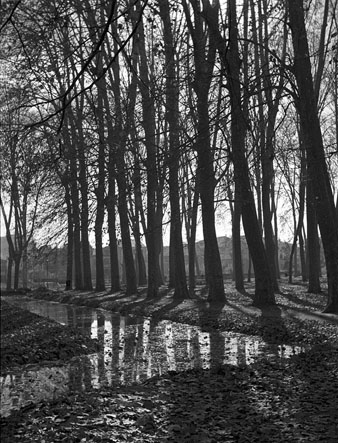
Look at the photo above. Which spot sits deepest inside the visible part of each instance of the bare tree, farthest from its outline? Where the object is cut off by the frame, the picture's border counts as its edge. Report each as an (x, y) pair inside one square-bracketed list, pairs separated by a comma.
[(172, 116), (204, 42), (317, 168)]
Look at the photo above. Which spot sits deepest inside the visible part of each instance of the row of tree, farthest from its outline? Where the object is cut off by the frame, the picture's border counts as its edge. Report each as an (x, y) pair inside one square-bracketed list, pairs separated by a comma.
[(130, 115)]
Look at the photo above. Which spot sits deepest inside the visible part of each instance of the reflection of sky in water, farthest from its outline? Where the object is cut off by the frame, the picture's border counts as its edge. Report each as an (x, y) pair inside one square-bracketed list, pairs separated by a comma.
[(134, 349)]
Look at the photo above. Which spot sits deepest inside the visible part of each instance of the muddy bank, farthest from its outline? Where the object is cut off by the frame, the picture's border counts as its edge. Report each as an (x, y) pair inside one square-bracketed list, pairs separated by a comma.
[(29, 338)]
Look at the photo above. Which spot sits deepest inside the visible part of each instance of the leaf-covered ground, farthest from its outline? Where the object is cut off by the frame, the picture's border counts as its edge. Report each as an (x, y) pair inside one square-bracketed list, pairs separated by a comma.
[(293, 400), (29, 338)]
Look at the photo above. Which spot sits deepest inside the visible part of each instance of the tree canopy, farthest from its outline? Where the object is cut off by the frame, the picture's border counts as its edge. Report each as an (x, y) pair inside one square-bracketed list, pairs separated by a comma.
[(136, 120)]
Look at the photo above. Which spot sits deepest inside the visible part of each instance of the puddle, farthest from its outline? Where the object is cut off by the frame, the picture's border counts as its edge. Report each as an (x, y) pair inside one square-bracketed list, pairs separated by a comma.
[(134, 349)]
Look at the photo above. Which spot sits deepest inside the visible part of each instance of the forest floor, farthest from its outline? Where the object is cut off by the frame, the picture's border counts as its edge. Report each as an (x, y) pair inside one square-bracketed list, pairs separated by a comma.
[(294, 400)]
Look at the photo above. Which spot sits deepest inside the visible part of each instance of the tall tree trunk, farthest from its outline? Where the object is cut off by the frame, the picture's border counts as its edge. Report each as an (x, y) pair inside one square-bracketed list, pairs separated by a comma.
[(17, 261), (313, 240), (171, 277), (237, 264), (264, 293), (111, 204), (236, 242), (193, 259), (74, 192), (87, 273), (121, 132), (190, 214), (213, 267), (204, 65), (141, 266), (78, 141), (149, 125), (267, 125), (249, 269), (70, 238), (159, 234), (100, 187), (274, 210), (302, 256), (299, 226), (25, 267), (128, 257), (172, 116), (313, 248), (317, 168), (11, 249)]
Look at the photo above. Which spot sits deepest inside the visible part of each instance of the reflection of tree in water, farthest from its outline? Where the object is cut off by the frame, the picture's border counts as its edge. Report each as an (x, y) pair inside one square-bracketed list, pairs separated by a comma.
[(230, 350), (136, 349), (209, 318), (94, 325), (107, 347), (272, 325), (115, 347), (72, 321), (121, 364), (135, 375), (190, 350), (170, 347), (204, 349)]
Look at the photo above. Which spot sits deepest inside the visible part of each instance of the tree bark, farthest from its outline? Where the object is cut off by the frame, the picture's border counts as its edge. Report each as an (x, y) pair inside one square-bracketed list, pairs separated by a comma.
[(131, 284), (317, 168), (99, 192), (267, 126), (264, 293), (74, 193), (17, 260), (87, 273), (111, 205), (70, 237), (139, 259), (299, 226), (9, 239), (172, 116), (237, 243), (313, 240), (118, 139), (190, 201), (302, 257), (204, 65), (149, 125), (171, 276), (25, 267), (141, 265), (313, 249)]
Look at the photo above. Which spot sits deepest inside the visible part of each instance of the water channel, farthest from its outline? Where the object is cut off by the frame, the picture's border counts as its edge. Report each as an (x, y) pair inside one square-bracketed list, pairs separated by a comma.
[(134, 349)]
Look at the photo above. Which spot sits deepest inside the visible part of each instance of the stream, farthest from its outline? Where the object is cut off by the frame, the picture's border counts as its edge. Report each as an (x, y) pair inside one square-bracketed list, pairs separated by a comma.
[(134, 349)]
